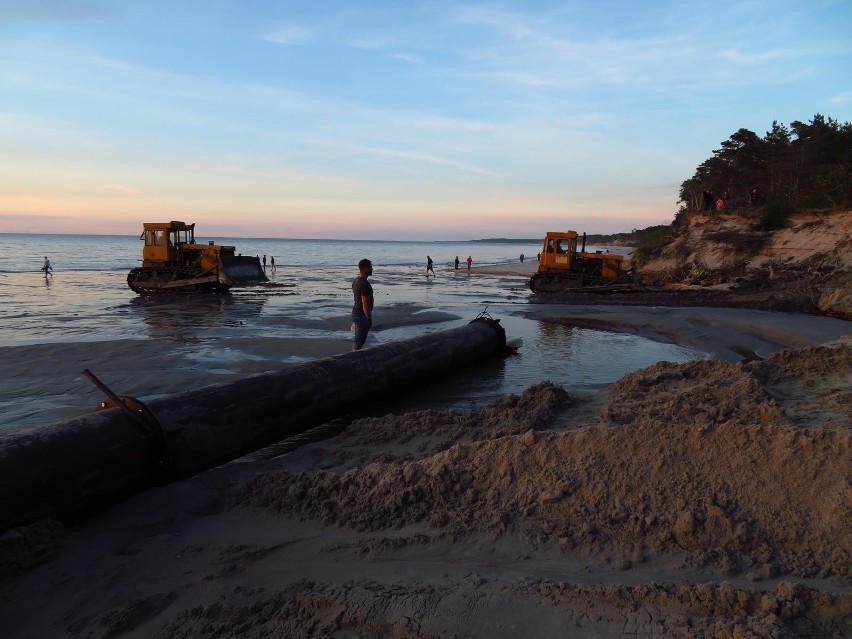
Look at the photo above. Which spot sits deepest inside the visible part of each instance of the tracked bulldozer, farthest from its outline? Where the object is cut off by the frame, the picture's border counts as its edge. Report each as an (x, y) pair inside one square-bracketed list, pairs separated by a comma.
[(172, 262), (562, 266)]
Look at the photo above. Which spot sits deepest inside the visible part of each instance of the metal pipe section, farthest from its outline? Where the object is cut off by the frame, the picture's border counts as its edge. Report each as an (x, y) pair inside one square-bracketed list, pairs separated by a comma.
[(66, 470)]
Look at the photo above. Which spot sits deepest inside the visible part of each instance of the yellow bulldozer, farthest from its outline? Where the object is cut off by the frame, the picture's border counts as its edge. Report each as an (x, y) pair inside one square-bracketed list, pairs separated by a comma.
[(562, 266), (172, 262)]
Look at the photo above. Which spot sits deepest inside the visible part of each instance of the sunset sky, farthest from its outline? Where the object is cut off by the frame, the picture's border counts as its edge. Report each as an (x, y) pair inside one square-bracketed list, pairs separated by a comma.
[(392, 120)]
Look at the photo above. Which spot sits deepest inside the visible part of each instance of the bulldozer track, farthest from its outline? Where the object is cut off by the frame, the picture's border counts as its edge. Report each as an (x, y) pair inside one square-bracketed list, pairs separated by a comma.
[(173, 280)]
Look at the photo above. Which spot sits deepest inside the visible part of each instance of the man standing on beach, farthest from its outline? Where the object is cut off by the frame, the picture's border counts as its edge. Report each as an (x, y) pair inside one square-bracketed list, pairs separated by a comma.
[(47, 268), (362, 311), (457, 262), (469, 262)]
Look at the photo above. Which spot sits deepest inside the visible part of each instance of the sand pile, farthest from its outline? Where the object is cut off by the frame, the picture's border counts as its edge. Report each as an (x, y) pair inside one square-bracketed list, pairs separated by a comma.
[(694, 457), (699, 462), (706, 499)]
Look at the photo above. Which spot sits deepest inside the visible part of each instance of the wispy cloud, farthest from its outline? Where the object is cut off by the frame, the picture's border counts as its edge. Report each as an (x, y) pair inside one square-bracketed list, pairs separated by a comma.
[(413, 156), (739, 57), (407, 57), (841, 98), (127, 190), (553, 48), (530, 79), (507, 22), (291, 34), (453, 125), (49, 133)]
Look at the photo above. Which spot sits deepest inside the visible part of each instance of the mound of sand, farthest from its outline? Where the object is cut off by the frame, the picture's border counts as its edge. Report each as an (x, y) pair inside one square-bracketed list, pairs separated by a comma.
[(705, 499), (694, 457), (699, 461)]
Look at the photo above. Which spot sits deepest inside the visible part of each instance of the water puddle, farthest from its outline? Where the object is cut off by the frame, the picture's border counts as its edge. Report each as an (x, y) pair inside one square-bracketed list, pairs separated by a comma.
[(579, 359)]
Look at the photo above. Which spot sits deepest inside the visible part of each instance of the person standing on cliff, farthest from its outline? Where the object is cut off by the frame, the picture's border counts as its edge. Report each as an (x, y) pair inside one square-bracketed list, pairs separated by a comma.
[(362, 311)]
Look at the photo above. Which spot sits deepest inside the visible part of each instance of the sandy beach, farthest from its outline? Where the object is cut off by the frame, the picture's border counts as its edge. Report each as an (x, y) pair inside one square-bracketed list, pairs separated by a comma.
[(706, 499)]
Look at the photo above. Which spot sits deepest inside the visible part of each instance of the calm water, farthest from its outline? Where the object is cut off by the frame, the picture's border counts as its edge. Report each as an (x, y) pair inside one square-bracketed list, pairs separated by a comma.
[(87, 300)]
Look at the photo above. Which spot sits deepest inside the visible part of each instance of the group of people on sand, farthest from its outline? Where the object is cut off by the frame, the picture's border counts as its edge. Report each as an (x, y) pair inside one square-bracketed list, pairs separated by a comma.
[(429, 264)]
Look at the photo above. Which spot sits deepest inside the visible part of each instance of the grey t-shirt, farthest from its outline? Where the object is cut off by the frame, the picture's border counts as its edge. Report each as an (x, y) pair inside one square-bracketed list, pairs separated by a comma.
[(360, 287)]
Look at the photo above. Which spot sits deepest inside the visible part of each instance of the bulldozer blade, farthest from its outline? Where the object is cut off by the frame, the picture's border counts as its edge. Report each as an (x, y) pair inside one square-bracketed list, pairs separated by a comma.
[(241, 270)]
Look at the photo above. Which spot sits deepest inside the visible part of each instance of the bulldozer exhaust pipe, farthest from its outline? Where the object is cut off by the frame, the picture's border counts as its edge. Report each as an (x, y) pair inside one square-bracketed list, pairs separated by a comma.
[(66, 470)]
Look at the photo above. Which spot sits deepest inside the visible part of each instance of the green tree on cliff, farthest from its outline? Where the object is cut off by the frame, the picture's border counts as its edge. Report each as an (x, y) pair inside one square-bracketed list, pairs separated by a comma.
[(808, 165)]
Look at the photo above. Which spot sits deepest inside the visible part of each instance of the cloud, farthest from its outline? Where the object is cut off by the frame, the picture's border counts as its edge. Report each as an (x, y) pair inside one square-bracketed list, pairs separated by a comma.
[(408, 155), (291, 35), (508, 23), (407, 57), (738, 57), (453, 125), (127, 190), (530, 79), (841, 98), (645, 46)]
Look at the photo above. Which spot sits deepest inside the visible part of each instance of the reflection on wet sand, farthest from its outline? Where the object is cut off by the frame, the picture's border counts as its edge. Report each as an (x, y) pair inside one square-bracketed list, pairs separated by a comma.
[(185, 317)]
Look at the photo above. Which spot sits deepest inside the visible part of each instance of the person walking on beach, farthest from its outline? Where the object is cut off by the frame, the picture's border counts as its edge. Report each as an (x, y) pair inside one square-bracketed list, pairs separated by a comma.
[(48, 270), (457, 262), (272, 260), (362, 311), (429, 266), (522, 258), (469, 262)]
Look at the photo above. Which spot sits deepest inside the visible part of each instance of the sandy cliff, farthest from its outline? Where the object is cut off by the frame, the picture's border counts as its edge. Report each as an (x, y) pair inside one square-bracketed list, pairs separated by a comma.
[(807, 264)]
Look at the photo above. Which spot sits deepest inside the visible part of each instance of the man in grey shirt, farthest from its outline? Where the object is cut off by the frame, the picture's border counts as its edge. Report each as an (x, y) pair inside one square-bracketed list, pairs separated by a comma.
[(362, 311)]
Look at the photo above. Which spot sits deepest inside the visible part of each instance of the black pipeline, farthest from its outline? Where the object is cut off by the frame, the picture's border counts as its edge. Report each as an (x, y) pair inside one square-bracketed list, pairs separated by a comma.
[(67, 469)]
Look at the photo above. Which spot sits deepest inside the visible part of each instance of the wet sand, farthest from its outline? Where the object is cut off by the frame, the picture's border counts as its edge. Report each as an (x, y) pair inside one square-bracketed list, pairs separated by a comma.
[(707, 499), (41, 383)]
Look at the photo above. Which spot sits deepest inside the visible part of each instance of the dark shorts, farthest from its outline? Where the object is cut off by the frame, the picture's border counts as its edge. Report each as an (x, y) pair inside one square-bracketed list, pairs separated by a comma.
[(362, 327)]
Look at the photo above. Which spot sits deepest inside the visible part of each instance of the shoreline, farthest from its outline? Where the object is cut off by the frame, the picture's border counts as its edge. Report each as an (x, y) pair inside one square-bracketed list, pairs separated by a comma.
[(47, 377)]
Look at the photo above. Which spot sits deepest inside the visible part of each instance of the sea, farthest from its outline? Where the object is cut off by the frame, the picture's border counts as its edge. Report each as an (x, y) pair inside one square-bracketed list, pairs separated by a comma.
[(87, 300)]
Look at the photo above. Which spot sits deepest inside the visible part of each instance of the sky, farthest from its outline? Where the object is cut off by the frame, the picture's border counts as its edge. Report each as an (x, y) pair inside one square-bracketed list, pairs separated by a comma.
[(408, 119)]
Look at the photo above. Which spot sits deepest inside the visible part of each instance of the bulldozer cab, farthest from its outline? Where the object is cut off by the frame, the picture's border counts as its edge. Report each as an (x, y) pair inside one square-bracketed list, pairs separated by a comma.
[(561, 257), (559, 250), (163, 241)]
